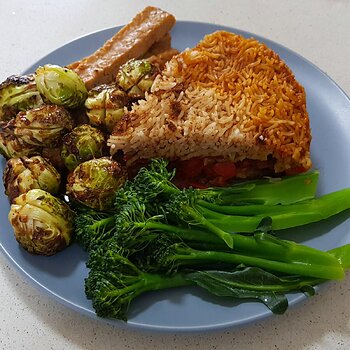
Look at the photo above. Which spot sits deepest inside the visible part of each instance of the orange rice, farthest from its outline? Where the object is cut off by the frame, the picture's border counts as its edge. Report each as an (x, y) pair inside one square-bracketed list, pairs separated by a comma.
[(229, 97)]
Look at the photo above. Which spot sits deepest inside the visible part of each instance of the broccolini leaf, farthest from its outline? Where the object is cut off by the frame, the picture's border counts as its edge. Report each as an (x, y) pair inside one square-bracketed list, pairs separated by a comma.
[(252, 283)]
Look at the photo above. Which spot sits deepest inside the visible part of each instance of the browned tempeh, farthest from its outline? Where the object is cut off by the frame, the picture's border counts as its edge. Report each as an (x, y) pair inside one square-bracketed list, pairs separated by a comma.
[(164, 44), (160, 46), (133, 40)]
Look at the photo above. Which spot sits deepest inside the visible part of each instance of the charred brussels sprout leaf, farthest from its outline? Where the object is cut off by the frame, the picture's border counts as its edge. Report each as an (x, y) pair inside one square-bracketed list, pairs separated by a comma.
[(12, 146), (105, 105), (43, 126), (42, 223), (53, 155), (34, 129), (61, 86), (95, 105), (136, 77), (83, 143), (94, 183), (24, 174), (18, 93)]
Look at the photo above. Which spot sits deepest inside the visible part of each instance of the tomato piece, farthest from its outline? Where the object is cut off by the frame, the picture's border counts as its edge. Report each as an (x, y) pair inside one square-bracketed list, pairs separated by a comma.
[(189, 169), (193, 173), (209, 171), (296, 170), (226, 170)]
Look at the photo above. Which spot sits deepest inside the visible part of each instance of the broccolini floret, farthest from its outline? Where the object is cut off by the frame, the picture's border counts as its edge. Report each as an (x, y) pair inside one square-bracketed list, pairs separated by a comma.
[(220, 239)]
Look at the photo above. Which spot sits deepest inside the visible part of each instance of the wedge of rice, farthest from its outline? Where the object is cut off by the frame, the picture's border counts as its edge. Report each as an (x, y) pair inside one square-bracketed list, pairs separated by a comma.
[(228, 98)]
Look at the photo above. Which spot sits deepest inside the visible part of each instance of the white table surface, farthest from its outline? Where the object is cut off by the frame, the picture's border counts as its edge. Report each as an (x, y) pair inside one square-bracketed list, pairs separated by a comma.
[(318, 30)]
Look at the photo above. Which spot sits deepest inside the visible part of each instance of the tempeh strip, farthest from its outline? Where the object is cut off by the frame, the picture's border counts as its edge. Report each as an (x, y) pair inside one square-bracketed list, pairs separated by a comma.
[(133, 40), (160, 46)]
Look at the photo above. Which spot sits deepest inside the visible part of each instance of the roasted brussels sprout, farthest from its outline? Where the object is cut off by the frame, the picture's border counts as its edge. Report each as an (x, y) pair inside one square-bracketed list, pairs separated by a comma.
[(136, 77), (18, 93), (42, 223), (12, 146), (43, 126), (61, 86), (23, 174), (105, 105), (83, 143), (94, 183), (53, 155)]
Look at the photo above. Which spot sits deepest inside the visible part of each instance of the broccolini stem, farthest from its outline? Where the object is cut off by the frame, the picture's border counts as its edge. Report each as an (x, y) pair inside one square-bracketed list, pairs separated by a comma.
[(263, 246), (286, 190), (185, 256), (183, 233), (103, 222), (328, 202), (296, 215), (200, 219), (115, 301), (342, 253), (150, 282), (157, 281)]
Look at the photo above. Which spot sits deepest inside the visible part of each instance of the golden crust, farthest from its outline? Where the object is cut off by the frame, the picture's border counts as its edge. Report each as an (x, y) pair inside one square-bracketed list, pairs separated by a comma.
[(227, 97)]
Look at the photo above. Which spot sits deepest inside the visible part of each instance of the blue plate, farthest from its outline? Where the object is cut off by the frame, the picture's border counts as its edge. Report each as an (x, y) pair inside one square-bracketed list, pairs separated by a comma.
[(189, 309)]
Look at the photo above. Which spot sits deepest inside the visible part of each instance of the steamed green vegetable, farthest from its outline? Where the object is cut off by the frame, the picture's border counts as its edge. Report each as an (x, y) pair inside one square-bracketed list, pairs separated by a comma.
[(169, 237), (92, 228), (134, 229), (61, 86), (81, 144), (205, 207), (245, 219), (153, 185), (115, 280), (171, 256), (18, 93), (42, 223), (23, 174), (267, 191)]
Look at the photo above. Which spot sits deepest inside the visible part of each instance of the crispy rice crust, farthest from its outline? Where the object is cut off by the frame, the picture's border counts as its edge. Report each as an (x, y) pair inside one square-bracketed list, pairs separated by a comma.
[(229, 98)]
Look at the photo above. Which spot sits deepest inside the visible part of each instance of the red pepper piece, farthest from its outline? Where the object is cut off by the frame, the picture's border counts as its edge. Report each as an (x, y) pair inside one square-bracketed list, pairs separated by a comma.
[(226, 170)]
